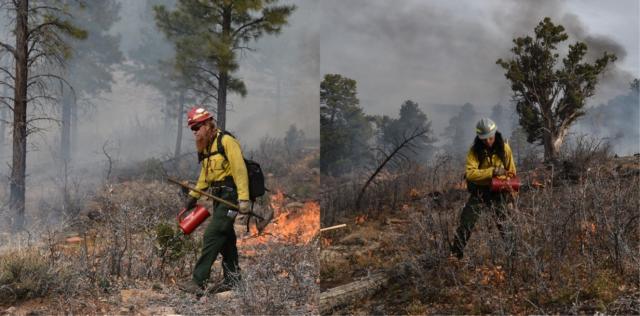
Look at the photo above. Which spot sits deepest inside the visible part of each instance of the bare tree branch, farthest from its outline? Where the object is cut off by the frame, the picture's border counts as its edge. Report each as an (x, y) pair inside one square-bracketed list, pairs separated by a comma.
[(247, 26), (407, 140), (8, 48)]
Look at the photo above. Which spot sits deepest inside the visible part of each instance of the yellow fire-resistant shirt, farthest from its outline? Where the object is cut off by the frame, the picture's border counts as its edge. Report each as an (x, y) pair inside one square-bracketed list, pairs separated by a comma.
[(481, 173), (216, 168)]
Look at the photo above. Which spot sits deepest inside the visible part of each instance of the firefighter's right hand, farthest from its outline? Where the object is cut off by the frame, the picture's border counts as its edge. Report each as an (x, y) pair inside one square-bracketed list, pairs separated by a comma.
[(191, 203), (184, 189), (498, 172)]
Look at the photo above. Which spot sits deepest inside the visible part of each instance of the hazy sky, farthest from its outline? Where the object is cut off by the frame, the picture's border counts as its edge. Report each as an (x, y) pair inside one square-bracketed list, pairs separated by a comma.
[(288, 60), (444, 52), (129, 118)]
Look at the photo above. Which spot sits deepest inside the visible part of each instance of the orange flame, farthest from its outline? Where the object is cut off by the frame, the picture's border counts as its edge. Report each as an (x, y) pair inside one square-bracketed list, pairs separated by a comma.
[(326, 242), (414, 194), (462, 185), (298, 223)]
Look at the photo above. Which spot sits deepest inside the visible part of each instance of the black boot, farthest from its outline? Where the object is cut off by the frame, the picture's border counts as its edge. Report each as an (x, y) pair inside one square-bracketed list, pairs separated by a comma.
[(456, 249)]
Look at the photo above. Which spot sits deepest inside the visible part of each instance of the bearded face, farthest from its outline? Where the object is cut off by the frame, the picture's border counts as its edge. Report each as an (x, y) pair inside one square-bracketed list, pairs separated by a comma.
[(204, 135)]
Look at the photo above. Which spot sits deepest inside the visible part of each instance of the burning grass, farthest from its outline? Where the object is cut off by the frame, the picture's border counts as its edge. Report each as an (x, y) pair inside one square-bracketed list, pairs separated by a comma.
[(296, 223), (124, 240), (128, 239)]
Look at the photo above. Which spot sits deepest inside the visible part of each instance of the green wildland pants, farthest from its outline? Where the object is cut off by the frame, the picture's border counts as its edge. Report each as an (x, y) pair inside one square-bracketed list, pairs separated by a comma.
[(481, 199), (219, 238)]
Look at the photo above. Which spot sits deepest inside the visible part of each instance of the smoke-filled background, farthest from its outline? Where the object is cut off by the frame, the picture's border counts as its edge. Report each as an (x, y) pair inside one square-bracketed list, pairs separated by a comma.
[(443, 54), (128, 119)]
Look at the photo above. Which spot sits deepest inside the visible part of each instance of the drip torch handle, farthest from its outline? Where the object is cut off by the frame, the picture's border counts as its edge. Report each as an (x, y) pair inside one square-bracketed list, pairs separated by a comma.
[(179, 217), (215, 198)]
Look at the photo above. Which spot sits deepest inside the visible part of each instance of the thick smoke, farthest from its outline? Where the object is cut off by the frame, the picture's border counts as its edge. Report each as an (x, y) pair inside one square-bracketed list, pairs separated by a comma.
[(127, 124), (441, 53), (130, 119)]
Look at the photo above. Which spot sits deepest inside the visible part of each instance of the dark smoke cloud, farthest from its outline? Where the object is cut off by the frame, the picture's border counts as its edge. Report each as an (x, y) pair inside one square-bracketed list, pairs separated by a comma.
[(436, 52)]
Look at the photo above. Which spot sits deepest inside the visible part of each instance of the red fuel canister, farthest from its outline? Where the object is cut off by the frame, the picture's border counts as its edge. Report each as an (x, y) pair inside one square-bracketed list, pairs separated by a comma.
[(193, 220), (505, 185)]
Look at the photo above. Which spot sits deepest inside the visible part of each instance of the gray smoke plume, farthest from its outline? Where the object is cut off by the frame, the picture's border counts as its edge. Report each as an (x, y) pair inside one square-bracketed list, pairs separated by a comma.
[(441, 53)]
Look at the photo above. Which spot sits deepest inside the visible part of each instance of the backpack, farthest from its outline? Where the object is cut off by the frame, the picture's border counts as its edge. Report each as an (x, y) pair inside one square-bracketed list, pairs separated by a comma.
[(254, 171)]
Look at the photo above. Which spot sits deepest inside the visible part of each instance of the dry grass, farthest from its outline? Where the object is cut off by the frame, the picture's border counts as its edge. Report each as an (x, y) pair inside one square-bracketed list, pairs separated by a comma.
[(576, 250), (24, 275), (126, 238), (576, 244)]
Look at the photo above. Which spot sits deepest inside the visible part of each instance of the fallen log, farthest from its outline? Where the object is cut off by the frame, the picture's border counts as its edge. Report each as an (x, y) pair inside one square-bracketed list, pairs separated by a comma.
[(351, 292)]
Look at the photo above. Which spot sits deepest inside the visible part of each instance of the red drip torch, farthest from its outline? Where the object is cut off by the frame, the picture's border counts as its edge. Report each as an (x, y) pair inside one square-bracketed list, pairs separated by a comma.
[(505, 185), (193, 220)]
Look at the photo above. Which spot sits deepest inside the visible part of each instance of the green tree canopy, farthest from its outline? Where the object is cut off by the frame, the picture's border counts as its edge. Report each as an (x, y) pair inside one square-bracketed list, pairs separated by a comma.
[(344, 128), (39, 50), (550, 96), (209, 35), (411, 118)]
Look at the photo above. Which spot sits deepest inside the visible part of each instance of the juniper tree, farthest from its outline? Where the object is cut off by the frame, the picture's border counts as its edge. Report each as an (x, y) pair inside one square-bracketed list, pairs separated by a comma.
[(550, 96)]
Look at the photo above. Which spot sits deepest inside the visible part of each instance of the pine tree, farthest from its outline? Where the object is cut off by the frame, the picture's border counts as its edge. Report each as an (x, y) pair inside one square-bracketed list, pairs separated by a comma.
[(209, 35), (344, 128), (40, 31)]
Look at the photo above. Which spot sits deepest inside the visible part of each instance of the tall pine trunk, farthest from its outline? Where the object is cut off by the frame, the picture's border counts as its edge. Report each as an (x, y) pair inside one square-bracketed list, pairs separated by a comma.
[(65, 137), (18, 168), (65, 145), (73, 144), (223, 79), (222, 100), (3, 122), (167, 116), (176, 153)]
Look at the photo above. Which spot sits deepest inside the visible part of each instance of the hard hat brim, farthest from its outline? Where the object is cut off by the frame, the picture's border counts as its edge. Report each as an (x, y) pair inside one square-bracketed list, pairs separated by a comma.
[(487, 135), (199, 120)]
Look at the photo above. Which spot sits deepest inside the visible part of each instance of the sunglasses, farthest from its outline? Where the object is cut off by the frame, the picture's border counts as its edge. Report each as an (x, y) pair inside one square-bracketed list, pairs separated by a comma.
[(196, 127)]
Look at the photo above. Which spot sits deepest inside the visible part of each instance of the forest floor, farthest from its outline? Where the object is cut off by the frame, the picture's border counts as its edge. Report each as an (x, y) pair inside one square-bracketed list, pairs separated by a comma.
[(122, 254), (577, 249)]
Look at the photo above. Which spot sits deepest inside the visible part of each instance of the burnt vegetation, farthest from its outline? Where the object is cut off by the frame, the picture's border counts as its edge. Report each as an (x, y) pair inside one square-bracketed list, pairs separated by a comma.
[(575, 233), (574, 242), (124, 239), (89, 226)]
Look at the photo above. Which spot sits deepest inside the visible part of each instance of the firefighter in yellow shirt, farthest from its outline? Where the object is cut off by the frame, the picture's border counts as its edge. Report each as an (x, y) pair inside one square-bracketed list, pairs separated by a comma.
[(226, 174), (490, 156)]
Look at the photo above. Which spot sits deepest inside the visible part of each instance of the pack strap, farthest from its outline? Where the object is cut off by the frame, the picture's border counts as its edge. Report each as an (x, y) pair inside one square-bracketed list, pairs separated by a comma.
[(219, 148)]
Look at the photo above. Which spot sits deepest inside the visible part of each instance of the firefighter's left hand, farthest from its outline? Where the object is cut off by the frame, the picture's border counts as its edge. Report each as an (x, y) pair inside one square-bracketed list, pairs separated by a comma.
[(244, 206)]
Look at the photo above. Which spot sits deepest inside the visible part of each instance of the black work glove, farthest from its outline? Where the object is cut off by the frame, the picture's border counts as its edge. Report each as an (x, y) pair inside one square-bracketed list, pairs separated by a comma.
[(191, 203), (184, 190)]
